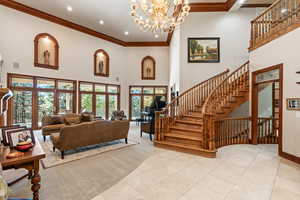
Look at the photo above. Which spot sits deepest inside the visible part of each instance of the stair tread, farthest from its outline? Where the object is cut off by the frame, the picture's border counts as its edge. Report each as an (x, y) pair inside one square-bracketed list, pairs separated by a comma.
[(185, 146), (187, 137), (186, 129), (189, 122), (193, 116)]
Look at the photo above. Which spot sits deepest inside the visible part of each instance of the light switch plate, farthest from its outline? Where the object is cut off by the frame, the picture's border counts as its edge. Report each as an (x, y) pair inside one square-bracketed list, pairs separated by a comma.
[(298, 114)]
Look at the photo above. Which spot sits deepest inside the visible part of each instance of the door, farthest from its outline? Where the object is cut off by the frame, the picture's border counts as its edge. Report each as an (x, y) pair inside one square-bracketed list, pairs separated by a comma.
[(45, 105), (267, 105)]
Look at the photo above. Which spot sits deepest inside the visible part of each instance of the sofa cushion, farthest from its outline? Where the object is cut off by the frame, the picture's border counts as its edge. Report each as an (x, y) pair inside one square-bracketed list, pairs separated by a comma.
[(55, 138), (86, 117), (72, 120), (53, 127), (56, 119)]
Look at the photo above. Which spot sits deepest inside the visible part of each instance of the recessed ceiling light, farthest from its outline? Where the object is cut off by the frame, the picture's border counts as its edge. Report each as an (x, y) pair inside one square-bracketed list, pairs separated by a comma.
[(126, 33), (284, 10), (156, 36), (242, 1), (69, 8), (101, 22)]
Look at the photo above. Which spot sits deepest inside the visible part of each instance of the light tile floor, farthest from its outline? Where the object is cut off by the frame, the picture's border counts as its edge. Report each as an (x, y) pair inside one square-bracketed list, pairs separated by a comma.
[(240, 172)]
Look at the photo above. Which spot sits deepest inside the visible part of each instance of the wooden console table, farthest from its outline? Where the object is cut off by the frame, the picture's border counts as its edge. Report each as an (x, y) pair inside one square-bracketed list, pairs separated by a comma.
[(31, 162)]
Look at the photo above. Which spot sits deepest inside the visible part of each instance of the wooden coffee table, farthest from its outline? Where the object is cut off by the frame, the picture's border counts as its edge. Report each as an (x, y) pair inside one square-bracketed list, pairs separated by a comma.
[(31, 162)]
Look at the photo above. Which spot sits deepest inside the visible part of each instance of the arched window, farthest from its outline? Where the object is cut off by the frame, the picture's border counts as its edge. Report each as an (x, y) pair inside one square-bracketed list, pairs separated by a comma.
[(148, 68), (101, 63), (46, 51)]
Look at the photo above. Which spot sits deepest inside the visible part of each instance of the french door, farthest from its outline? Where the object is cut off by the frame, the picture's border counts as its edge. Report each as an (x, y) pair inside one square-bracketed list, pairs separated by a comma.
[(267, 105), (35, 97), (99, 98), (141, 98)]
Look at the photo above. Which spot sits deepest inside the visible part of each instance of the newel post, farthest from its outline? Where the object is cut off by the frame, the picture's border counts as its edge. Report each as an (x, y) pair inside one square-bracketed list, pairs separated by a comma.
[(212, 145)]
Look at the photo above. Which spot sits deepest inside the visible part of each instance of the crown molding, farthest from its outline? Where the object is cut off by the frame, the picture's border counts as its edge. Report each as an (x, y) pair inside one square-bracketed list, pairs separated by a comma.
[(212, 7), (255, 5), (57, 20)]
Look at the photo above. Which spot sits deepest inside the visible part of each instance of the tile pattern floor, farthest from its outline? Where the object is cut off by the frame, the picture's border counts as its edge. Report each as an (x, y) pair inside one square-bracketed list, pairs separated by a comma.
[(241, 172)]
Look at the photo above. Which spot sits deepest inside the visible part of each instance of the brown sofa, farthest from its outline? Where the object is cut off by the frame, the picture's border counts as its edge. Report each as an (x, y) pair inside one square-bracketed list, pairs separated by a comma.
[(53, 123), (89, 133)]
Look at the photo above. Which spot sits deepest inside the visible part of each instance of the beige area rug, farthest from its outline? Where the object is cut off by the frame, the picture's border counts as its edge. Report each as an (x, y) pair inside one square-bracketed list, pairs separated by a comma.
[(54, 158)]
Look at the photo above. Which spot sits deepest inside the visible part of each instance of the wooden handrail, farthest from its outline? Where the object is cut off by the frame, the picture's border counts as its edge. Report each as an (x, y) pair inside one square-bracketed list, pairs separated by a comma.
[(184, 103), (209, 100), (280, 18)]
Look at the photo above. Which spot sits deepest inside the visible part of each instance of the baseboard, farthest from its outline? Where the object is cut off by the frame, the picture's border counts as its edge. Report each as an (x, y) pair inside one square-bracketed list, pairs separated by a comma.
[(290, 157)]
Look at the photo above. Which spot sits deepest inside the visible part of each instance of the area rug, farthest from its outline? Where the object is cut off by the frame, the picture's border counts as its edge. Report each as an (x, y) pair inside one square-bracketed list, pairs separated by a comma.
[(54, 158)]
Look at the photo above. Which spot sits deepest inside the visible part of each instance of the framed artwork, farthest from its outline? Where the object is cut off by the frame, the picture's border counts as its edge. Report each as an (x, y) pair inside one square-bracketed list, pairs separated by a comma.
[(7, 129), (148, 68), (101, 63), (203, 50), (293, 104), (20, 137), (46, 51)]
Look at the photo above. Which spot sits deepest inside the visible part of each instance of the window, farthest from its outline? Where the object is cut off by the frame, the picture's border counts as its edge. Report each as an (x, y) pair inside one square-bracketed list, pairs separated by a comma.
[(99, 98), (35, 97), (141, 98)]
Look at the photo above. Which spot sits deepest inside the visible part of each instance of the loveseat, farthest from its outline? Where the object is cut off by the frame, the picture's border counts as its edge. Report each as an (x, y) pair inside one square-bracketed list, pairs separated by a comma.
[(53, 123), (89, 133)]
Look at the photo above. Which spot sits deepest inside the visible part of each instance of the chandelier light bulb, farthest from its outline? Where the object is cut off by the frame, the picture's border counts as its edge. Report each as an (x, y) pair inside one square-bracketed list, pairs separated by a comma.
[(155, 15)]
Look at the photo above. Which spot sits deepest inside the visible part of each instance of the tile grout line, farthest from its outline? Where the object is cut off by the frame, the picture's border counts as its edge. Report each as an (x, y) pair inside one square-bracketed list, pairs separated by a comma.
[(275, 178)]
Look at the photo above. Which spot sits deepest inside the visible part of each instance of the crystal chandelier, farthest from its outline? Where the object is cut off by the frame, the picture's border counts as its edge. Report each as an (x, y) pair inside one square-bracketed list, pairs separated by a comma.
[(159, 15)]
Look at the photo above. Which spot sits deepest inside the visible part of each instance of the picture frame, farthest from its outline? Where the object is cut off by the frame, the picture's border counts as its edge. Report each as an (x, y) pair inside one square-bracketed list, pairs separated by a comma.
[(148, 68), (101, 63), (15, 137), (293, 104), (5, 129), (204, 50)]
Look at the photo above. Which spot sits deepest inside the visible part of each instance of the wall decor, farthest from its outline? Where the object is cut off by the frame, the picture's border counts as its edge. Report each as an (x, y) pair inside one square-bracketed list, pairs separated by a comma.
[(46, 51), (101, 63), (293, 104), (203, 50), (148, 68), (20, 137)]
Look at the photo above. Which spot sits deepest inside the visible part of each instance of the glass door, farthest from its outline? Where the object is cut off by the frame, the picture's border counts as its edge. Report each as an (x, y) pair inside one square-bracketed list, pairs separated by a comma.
[(45, 105), (136, 104), (22, 108), (101, 106), (65, 103), (112, 104)]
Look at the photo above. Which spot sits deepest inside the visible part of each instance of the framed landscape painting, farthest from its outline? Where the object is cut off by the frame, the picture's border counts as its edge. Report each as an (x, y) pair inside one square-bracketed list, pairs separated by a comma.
[(203, 50)]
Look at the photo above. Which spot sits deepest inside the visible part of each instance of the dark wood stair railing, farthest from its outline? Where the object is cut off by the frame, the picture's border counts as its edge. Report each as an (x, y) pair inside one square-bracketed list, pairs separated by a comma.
[(180, 123), (280, 18), (227, 94), (232, 131), (268, 130)]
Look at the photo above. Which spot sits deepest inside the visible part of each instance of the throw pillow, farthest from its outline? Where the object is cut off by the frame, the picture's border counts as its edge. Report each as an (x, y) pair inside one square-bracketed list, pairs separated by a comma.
[(87, 117), (72, 120)]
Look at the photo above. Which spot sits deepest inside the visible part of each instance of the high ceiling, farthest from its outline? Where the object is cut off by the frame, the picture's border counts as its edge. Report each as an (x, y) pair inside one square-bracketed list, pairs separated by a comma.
[(114, 13)]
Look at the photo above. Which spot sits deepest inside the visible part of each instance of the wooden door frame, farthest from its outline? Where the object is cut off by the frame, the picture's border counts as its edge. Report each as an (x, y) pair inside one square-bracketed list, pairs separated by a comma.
[(254, 102), (35, 90)]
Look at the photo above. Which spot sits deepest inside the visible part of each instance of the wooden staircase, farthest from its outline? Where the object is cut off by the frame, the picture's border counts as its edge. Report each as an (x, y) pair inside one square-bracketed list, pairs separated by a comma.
[(184, 125)]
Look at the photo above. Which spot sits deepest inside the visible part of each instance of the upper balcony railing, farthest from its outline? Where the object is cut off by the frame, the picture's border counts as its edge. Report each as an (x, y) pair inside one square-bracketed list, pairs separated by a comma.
[(280, 18)]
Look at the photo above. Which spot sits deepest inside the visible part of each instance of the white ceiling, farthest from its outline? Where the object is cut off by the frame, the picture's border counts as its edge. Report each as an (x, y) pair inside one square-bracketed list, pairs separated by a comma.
[(114, 13)]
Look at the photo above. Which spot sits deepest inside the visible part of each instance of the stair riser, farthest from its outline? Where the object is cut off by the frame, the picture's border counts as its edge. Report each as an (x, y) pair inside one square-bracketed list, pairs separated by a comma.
[(185, 133), (183, 141), (184, 125), (192, 119)]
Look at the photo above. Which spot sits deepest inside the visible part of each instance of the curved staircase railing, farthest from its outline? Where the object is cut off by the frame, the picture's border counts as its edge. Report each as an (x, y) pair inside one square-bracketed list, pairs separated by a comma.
[(226, 94), (184, 103)]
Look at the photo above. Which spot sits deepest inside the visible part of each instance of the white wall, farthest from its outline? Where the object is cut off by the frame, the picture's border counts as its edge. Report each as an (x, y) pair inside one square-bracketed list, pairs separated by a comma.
[(233, 28), (174, 57), (284, 50), (76, 54)]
